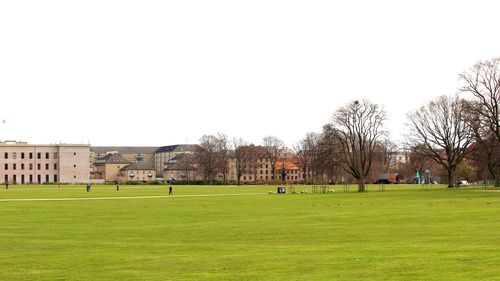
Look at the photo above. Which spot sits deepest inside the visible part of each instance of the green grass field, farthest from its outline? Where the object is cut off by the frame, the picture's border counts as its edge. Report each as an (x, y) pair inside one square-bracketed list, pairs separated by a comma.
[(404, 233)]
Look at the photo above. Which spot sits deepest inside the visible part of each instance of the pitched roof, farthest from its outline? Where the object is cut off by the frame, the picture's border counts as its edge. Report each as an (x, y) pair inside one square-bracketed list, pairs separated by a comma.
[(138, 166), (287, 164), (178, 148), (114, 158)]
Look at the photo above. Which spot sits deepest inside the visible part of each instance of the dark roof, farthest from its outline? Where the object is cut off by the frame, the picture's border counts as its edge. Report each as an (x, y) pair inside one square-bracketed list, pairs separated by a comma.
[(125, 149), (114, 158), (178, 148), (168, 148), (139, 166)]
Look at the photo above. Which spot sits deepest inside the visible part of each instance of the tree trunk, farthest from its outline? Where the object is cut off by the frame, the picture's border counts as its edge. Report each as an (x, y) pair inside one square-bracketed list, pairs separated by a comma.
[(451, 182), (361, 185), (493, 172)]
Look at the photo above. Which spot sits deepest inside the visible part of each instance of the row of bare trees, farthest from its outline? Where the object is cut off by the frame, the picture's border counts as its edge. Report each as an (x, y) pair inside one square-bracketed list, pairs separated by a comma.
[(450, 129), (445, 131)]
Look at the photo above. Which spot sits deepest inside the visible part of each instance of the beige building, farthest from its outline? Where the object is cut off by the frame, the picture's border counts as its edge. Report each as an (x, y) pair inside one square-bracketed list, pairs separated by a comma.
[(165, 153), (108, 167), (140, 172), (22, 163), (182, 167)]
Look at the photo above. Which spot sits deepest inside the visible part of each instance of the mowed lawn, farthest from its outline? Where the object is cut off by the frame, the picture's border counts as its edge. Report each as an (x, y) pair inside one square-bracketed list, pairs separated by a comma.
[(404, 233)]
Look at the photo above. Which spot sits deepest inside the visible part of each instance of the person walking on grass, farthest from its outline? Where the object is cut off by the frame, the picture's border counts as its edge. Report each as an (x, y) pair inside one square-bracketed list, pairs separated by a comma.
[(170, 190), (88, 187)]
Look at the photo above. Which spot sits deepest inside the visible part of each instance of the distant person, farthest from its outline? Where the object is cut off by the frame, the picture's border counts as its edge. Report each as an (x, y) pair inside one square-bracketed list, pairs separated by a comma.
[(170, 191), (88, 187), (58, 185), (117, 187), (6, 185)]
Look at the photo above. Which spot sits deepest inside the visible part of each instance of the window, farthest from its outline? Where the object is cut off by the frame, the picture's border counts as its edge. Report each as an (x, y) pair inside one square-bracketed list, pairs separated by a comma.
[(22, 166), (22, 155), (74, 153), (47, 178), (74, 166), (6, 166), (31, 155), (6, 155), (39, 178), (55, 155), (14, 166), (38, 166), (39, 155), (55, 178), (55, 166), (46, 155), (31, 168), (14, 155), (31, 178), (46, 166)]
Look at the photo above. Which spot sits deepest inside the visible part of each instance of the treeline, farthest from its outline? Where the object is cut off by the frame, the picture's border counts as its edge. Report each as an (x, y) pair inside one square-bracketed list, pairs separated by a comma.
[(446, 133)]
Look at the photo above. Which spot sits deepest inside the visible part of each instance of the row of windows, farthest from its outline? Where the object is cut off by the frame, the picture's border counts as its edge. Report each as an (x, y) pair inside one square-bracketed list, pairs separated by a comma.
[(28, 179), (30, 155), (30, 166)]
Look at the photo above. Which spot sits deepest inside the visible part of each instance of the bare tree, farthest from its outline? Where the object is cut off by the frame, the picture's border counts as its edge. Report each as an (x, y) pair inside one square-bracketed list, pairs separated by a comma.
[(208, 156), (482, 81), (438, 130), (307, 152), (329, 155), (239, 157), (388, 150), (272, 145), (357, 127), (222, 159)]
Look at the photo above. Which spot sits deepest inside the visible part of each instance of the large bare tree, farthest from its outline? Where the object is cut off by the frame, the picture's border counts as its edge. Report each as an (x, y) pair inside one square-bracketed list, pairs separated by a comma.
[(272, 145), (357, 127), (482, 82), (438, 130)]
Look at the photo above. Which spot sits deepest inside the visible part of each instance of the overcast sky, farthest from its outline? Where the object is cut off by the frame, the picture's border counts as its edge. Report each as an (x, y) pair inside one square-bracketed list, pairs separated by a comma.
[(150, 73)]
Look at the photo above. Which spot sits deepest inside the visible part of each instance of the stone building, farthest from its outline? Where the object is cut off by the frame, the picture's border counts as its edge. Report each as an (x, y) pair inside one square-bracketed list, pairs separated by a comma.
[(108, 167), (22, 163), (140, 172)]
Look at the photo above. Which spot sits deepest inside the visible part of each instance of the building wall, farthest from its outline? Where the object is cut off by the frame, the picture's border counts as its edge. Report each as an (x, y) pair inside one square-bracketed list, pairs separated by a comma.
[(74, 163), (108, 171), (43, 163), (139, 175)]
